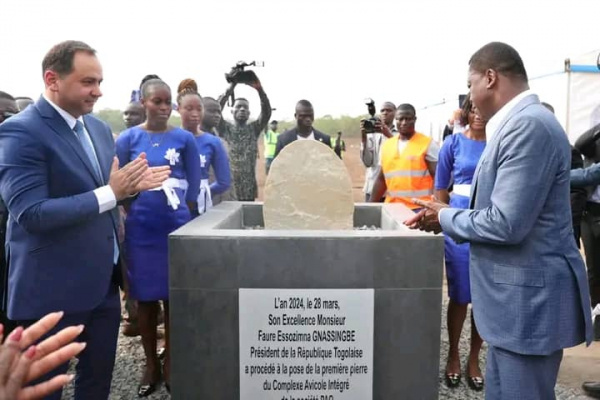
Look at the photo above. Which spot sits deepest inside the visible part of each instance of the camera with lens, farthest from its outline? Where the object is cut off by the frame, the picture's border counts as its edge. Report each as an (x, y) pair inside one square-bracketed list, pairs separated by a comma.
[(239, 74), (369, 123)]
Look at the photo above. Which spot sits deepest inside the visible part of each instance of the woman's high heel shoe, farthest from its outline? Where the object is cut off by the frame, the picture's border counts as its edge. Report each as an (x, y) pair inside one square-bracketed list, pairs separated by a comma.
[(475, 383), (452, 380), (146, 390)]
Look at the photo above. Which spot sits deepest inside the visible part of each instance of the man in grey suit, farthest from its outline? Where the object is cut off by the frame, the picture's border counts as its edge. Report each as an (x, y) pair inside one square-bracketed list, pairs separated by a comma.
[(528, 281)]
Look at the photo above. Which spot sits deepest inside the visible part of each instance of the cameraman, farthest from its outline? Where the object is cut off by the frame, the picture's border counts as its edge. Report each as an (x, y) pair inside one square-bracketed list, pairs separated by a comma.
[(242, 138), (371, 145)]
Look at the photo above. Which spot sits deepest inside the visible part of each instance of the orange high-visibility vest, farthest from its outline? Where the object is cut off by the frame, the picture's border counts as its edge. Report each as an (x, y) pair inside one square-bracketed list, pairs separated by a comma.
[(406, 174)]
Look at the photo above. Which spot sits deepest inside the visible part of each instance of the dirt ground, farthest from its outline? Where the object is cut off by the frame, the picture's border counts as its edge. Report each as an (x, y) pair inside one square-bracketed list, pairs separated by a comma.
[(351, 159)]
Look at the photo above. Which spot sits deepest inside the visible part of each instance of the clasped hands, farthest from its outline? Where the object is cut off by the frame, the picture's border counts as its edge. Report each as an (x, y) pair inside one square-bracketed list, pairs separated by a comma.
[(428, 218), (136, 177)]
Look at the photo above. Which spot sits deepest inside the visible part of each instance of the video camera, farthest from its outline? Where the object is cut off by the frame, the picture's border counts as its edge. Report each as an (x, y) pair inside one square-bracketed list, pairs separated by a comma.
[(369, 124), (238, 74)]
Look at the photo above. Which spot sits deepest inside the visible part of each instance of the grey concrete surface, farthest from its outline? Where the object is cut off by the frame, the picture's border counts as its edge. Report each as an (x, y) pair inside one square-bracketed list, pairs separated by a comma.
[(213, 256)]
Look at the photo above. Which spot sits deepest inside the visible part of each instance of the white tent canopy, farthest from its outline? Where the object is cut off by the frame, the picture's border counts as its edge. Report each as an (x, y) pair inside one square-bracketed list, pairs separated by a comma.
[(573, 90)]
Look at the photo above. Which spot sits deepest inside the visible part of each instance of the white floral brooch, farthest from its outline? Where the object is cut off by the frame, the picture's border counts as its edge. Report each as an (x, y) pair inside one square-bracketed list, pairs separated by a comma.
[(172, 155)]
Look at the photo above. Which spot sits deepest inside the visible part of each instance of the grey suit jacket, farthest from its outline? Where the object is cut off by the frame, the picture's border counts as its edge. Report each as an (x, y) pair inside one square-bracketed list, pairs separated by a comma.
[(528, 281)]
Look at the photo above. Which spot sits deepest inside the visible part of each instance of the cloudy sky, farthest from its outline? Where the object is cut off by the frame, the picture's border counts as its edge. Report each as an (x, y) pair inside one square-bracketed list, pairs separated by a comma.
[(331, 52)]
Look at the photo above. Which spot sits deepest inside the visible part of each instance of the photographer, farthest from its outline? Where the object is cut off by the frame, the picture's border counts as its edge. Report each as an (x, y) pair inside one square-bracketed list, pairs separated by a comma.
[(371, 144), (242, 137)]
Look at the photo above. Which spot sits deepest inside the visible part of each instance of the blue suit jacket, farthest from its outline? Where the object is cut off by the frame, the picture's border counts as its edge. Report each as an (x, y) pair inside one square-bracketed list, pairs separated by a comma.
[(59, 248), (582, 177), (528, 281)]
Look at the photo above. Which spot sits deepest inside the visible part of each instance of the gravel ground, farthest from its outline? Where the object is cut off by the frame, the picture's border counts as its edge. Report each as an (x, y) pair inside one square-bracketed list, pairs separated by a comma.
[(463, 391), (129, 364)]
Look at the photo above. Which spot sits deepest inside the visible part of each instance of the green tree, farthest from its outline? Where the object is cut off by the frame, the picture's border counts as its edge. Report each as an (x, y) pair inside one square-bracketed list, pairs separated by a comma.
[(349, 126), (114, 119), (175, 120)]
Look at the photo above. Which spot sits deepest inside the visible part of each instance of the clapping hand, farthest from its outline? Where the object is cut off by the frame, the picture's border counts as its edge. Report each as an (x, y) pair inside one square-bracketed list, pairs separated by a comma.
[(125, 181), (22, 362), (135, 177), (154, 177)]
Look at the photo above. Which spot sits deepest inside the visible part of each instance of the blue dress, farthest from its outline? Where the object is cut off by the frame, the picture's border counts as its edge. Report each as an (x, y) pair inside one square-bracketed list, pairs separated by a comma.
[(457, 161), (212, 154), (155, 213)]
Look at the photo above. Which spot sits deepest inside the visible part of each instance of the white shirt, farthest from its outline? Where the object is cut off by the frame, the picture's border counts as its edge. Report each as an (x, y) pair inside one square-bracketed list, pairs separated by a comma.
[(373, 148), (432, 151), (105, 196), (494, 123), (431, 155), (309, 137)]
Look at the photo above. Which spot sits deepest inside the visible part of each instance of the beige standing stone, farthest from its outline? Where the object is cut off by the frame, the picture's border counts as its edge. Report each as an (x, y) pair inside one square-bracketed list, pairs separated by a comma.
[(308, 187)]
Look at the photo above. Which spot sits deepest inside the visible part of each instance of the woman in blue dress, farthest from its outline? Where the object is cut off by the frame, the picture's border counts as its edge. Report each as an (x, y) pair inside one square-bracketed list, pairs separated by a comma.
[(155, 214), (458, 158), (210, 148)]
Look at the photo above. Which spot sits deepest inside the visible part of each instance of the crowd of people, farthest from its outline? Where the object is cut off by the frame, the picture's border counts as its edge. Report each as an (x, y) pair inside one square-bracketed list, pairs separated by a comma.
[(86, 212)]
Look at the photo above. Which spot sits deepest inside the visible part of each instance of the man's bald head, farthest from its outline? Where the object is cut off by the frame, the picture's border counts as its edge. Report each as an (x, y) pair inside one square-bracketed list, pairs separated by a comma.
[(305, 115)]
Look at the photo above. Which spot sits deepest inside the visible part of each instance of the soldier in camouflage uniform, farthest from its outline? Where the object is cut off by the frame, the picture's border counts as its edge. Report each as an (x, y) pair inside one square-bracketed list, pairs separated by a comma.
[(242, 139)]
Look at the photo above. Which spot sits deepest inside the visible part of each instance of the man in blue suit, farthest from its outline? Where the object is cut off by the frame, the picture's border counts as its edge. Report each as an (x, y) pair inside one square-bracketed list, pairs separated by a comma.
[(61, 184), (528, 281)]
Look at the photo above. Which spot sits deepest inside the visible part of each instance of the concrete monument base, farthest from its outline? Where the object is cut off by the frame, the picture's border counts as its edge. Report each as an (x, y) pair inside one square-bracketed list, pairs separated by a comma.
[(213, 257)]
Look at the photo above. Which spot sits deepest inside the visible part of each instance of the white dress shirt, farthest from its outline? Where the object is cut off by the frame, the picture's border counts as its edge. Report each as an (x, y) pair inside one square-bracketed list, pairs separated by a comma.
[(494, 123), (309, 137)]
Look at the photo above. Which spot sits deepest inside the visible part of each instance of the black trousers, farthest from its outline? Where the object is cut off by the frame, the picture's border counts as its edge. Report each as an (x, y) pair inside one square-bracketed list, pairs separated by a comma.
[(590, 236)]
